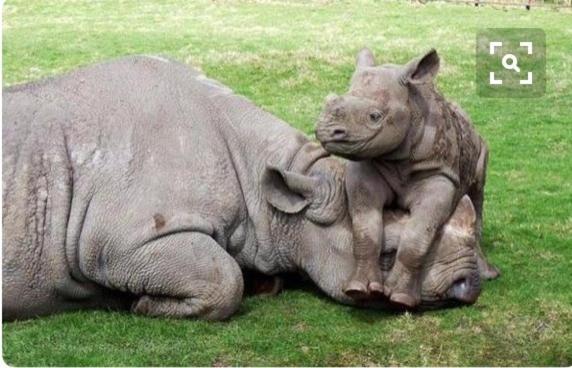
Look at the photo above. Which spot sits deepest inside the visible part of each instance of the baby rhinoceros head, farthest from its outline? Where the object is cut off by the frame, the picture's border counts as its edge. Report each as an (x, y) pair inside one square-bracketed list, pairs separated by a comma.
[(376, 115)]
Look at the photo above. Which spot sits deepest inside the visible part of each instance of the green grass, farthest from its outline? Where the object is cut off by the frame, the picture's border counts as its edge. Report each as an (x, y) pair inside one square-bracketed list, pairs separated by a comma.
[(286, 57)]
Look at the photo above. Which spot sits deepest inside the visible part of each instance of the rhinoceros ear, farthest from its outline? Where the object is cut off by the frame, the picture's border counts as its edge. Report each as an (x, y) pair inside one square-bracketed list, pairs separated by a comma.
[(423, 69), (465, 217), (365, 58), (287, 191)]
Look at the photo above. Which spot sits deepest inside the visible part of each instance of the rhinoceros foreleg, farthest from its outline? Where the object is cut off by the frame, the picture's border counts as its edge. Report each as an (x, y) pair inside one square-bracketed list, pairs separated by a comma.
[(256, 283), (367, 194), (430, 202), (180, 275)]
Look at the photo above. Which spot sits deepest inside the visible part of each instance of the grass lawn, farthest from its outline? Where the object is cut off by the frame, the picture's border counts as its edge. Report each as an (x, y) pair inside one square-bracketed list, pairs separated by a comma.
[(287, 57)]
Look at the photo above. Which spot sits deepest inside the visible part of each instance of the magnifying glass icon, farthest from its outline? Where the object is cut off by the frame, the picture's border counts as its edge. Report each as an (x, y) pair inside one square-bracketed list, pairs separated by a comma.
[(513, 63)]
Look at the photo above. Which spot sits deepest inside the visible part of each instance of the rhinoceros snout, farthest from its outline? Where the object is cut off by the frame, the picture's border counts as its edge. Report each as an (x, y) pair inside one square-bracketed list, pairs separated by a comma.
[(331, 134)]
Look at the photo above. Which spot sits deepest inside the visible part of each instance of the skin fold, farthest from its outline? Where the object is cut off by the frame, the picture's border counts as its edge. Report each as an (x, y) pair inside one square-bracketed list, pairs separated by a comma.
[(139, 183), (413, 150)]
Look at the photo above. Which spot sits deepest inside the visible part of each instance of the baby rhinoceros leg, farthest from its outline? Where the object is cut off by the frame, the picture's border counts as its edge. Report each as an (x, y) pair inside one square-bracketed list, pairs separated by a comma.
[(181, 275), (367, 194), (430, 202)]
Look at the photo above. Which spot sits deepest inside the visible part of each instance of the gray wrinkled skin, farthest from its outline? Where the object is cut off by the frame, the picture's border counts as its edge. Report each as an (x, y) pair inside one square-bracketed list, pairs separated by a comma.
[(416, 151), (451, 272), (140, 183)]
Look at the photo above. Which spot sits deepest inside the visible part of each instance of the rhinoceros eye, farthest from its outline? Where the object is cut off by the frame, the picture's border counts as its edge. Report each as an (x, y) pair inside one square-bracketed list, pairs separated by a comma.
[(375, 116)]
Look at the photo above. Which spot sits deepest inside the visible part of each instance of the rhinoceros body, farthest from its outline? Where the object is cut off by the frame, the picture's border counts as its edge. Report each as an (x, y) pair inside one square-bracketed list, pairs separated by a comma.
[(139, 182), (413, 150), (128, 174)]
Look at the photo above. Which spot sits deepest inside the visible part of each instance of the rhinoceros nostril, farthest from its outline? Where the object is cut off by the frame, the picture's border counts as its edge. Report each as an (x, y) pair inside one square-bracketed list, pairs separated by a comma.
[(466, 291), (339, 133)]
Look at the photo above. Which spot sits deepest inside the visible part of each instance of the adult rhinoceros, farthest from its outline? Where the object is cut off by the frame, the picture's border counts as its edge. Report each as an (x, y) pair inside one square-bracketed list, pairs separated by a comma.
[(139, 181)]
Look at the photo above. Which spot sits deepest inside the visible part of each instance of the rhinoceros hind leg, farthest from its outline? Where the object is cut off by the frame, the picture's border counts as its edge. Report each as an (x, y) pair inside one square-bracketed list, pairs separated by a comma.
[(180, 275)]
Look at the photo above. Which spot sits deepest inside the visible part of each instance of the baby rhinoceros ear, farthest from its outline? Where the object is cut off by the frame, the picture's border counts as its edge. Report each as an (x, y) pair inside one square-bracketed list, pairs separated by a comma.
[(287, 191), (423, 69), (365, 59)]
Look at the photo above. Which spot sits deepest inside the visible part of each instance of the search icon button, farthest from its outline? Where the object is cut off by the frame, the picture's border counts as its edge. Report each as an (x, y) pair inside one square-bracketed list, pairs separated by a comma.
[(513, 63)]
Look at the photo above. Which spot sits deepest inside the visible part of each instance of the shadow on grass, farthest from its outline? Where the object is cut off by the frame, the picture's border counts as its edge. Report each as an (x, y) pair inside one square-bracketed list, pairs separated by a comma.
[(366, 313), (370, 312)]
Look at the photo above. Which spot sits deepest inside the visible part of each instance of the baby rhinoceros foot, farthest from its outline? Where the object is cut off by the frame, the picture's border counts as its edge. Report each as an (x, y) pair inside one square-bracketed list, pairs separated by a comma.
[(365, 285), (403, 289), (404, 300)]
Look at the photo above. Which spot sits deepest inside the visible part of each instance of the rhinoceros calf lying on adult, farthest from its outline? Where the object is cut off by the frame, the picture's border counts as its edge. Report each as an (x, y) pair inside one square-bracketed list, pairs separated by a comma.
[(419, 152), (140, 180), (456, 241)]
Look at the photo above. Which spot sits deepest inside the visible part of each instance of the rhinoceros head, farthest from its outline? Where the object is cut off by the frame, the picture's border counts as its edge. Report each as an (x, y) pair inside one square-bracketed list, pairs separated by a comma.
[(313, 229), (375, 116), (450, 273), (310, 223)]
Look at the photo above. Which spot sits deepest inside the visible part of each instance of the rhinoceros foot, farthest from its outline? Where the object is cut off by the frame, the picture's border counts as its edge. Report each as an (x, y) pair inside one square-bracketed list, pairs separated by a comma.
[(403, 288), (365, 285)]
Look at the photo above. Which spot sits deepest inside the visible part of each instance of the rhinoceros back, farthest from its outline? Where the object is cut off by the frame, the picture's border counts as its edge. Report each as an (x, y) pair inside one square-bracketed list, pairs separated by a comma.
[(449, 144)]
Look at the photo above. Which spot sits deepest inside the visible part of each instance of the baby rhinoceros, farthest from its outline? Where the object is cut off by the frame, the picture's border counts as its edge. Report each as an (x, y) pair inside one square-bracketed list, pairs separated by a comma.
[(413, 150)]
